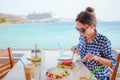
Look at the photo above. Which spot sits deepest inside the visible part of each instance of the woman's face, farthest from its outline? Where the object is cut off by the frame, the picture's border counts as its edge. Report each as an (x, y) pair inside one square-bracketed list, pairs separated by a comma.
[(83, 29)]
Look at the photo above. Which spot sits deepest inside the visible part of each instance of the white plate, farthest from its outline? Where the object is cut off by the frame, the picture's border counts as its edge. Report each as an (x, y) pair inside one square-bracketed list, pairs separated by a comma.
[(64, 57)]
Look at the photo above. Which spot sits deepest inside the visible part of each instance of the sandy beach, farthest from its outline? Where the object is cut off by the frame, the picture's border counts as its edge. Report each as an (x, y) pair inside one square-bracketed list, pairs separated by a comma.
[(7, 23)]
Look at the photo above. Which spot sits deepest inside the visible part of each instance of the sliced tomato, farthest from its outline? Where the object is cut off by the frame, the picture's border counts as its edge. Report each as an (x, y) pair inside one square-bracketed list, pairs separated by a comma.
[(59, 76), (66, 62), (63, 62), (49, 75), (70, 62)]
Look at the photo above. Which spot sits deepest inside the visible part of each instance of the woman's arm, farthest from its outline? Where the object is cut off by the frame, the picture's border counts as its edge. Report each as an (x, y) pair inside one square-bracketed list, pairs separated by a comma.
[(101, 60), (104, 61)]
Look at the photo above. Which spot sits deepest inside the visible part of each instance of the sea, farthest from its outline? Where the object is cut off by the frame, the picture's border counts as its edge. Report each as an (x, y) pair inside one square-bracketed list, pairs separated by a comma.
[(52, 35)]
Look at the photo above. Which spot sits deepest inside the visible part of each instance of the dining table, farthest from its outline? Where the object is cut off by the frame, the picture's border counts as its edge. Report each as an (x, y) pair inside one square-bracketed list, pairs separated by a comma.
[(49, 60)]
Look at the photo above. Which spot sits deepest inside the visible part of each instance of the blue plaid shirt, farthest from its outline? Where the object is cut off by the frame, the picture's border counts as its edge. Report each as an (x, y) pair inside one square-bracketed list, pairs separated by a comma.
[(99, 46)]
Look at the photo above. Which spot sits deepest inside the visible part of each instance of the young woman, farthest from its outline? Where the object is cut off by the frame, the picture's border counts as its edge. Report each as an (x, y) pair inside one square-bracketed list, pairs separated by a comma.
[(94, 48)]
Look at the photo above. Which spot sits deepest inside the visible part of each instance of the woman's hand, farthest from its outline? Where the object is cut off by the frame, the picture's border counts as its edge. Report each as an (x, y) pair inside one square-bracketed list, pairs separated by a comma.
[(74, 49), (90, 56)]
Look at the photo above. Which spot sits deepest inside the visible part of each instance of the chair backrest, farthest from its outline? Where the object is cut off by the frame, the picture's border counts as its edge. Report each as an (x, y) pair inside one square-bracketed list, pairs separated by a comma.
[(8, 64), (114, 71)]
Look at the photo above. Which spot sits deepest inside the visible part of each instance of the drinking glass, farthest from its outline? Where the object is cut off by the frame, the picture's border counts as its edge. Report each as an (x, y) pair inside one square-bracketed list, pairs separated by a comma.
[(29, 71)]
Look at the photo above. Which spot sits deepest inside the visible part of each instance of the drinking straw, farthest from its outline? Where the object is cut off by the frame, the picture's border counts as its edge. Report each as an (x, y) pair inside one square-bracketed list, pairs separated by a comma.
[(20, 60), (60, 48), (93, 72)]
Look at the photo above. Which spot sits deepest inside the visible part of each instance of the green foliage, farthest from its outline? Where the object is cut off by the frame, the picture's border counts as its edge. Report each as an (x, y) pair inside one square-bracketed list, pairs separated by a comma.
[(2, 20), (13, 21)]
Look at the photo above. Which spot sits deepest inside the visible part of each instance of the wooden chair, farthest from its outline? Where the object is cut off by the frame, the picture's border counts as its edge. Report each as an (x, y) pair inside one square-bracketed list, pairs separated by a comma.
[(114, 72), (8, 64)]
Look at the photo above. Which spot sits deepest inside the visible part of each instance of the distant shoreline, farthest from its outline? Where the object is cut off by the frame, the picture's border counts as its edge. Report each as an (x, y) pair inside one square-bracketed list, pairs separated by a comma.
[(3, 24), (8, 23)]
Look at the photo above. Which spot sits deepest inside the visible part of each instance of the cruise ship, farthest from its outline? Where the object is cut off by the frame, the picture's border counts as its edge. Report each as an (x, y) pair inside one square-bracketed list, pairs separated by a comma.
[(41, 17)]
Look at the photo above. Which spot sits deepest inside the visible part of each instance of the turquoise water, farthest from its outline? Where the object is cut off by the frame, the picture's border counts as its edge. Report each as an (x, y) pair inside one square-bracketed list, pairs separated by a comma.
[(48, 34)]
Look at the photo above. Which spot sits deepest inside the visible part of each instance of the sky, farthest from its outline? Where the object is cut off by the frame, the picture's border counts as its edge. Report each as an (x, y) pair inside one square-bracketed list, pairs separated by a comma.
[(105, 10)]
